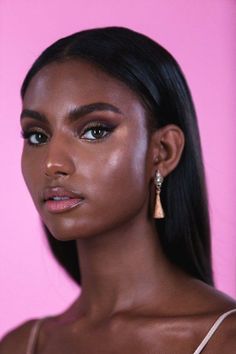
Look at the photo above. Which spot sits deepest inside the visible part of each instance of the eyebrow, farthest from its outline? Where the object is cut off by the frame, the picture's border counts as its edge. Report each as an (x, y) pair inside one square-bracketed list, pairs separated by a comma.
[(75, 113)]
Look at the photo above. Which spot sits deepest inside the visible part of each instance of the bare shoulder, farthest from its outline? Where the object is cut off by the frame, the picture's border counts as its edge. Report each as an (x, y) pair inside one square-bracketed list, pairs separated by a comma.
[(230, 346), (230, 331), (224, 339), (208, 299), (16, 340), (212, 303)]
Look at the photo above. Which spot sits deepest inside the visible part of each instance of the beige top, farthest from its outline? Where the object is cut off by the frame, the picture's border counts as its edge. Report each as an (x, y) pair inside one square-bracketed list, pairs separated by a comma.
[(36, 328)]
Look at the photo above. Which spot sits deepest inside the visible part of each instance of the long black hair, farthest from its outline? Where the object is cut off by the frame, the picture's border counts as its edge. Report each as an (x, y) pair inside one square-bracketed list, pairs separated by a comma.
[(154, 75)]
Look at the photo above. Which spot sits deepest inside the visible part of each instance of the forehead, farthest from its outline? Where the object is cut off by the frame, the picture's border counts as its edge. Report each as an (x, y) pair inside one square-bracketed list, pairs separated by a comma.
[(59, 86)]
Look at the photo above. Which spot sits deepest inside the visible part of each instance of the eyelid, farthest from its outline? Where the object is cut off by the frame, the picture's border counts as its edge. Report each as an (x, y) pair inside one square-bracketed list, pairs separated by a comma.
[(27, 133), (31, 130), (98, 124)]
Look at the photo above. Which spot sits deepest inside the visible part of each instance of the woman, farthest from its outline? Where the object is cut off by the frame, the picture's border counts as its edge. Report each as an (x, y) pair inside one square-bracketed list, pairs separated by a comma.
[(112, 159)]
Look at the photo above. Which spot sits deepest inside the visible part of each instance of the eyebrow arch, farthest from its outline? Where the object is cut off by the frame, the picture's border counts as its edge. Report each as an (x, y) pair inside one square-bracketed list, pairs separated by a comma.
[(33, 114), (78, 112), (75, 113)]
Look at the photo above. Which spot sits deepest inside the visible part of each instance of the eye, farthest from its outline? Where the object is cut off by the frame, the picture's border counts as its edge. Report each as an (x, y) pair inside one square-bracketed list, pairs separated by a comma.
[(96, 131), (35, 138)]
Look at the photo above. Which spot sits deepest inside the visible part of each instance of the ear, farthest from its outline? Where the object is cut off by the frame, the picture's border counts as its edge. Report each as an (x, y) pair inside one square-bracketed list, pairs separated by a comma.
[(167, 145)]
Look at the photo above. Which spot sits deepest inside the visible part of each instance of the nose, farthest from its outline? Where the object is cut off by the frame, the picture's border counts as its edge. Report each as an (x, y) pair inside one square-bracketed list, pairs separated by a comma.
[(59, 160)]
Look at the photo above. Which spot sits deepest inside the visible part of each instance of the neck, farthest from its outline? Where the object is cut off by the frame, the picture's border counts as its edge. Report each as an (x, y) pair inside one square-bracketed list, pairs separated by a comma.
[(121, 270)]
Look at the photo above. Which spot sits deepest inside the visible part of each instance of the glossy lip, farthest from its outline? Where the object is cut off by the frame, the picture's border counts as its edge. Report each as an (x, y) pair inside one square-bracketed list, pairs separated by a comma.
[(69, 199)]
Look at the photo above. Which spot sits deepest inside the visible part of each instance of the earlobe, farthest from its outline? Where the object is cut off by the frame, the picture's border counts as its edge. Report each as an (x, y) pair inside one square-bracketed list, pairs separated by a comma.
[(168, 144)]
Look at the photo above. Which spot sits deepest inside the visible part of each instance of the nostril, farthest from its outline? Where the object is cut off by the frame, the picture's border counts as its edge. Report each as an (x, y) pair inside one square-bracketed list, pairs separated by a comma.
[(59, 167), (55, 173)]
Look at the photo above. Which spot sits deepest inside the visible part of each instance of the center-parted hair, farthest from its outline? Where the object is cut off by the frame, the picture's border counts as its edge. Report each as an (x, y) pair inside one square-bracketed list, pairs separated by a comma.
[(154, 75)]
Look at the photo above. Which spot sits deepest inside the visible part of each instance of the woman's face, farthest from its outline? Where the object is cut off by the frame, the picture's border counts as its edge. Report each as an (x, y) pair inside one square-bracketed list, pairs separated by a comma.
[(85, 155)]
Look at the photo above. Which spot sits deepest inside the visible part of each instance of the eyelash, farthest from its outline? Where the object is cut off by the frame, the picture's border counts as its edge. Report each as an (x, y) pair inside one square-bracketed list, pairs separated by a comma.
[(98, 125), (26, 135)]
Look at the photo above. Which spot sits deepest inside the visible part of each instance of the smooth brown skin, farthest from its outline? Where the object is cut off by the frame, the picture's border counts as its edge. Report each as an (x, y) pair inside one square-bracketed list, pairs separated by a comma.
[(133, 299)]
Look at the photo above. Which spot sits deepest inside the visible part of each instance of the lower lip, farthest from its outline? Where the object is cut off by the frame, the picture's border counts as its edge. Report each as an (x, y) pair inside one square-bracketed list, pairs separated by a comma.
[(59, 206)]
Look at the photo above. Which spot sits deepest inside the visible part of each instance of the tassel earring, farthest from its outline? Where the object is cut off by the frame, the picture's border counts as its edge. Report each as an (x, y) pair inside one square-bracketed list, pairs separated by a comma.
[(158, 212)]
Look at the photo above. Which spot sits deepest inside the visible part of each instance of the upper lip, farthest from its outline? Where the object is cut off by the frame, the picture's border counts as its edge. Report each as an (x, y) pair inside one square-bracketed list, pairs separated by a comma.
[(51, 192)]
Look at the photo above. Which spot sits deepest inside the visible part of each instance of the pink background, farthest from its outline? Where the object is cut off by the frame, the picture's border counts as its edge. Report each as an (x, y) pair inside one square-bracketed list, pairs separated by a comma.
[(201, 35)]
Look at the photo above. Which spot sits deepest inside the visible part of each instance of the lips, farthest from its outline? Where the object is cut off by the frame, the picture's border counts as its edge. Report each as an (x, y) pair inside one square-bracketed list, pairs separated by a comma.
[(59, 199)]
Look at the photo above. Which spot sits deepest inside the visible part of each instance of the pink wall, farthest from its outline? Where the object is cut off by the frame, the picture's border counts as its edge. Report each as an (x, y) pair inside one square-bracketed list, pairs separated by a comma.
[(201, 35)]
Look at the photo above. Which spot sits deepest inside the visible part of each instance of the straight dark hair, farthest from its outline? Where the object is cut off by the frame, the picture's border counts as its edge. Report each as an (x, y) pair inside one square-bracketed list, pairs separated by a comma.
[(154, 75)]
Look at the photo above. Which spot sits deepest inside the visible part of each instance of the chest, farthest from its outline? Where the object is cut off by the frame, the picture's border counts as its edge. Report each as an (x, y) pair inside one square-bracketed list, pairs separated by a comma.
[(144, 340)]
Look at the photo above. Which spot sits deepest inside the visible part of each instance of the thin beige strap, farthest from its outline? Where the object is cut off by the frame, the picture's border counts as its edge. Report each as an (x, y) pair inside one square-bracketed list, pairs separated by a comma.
[(33, 337), (212, 331)]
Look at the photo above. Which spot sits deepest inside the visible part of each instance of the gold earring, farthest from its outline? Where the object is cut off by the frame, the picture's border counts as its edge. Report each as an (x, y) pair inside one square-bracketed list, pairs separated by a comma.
[(158, 212)]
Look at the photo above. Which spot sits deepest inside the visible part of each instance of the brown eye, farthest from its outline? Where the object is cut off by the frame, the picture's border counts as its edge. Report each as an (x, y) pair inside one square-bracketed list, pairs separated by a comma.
[(96, 132)]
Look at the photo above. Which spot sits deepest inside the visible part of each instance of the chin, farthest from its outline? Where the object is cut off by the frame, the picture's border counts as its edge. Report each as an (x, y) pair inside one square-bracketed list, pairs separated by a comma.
[(66, 229)]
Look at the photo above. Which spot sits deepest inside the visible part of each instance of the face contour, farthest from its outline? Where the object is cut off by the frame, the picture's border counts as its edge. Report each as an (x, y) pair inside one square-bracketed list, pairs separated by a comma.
[(85, 150)]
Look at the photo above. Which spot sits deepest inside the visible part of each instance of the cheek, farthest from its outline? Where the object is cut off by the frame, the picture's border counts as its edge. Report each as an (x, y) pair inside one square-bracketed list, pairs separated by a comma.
[(25, 168), (118, 178), (30, 172), (124, 167)]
